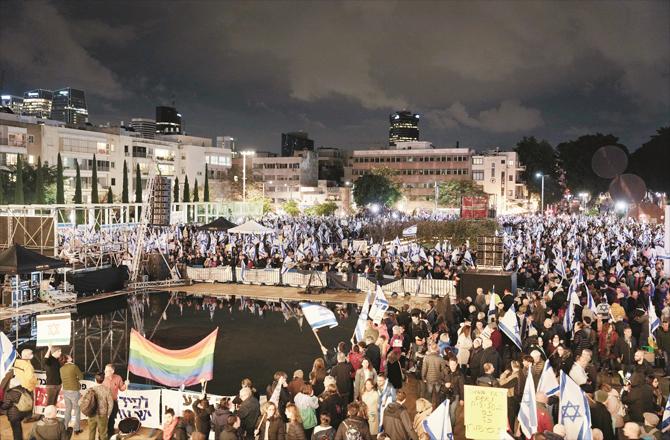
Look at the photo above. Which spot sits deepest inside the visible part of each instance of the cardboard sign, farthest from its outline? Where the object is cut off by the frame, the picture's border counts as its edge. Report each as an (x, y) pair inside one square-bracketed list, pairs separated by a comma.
[(485, 412)]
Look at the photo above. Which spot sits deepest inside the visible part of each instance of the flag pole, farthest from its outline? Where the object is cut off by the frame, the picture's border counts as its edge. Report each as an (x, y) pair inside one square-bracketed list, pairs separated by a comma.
[(324, 350)]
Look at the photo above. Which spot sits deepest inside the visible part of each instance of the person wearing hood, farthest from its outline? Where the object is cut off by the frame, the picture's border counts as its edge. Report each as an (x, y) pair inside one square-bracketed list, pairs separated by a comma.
[(396, 422), (639, 397)]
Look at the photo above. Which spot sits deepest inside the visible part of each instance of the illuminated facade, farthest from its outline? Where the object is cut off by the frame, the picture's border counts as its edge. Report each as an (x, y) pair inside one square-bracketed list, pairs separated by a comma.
[(404, 127), (69, 106), (295, 141), (144, 126), (499, 174), (168, 120), (14, 103), (38, 103)]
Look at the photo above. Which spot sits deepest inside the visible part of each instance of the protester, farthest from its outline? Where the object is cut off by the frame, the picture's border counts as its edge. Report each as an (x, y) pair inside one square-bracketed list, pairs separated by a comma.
[(203, 412), (396, 421), (114, 383), (52, 368), (323, 431), (353, 427), (307, 404), (16, 415), (220, 416), (49, 427), (229, 431), (270, 426), (103, 410), (71, 376), (249, 412)]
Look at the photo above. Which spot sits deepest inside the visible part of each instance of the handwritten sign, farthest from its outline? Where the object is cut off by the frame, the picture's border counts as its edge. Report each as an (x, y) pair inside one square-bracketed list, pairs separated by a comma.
[(141, 404), (485, 412)]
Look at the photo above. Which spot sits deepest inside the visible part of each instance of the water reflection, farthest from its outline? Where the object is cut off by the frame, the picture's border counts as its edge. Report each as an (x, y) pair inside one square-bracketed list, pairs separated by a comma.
[(256, 337)]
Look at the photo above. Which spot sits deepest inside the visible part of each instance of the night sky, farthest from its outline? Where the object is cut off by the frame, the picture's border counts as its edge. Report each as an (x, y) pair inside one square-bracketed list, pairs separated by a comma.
[(482, 73)]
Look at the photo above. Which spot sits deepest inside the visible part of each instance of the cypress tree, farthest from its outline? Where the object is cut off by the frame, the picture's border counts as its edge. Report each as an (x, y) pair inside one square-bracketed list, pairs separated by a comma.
[(187, 193), (110, 195), (196, 198), (39, 182), (124, 190), (205, 194), (18, 189), (60, 184), (77, 192), (2, 188), (175, 190), (138, 184), (94, 182)]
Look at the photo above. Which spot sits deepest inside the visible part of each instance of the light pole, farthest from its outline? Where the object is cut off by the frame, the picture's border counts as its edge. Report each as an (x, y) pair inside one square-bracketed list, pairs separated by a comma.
[(244, 173), (541, 176)]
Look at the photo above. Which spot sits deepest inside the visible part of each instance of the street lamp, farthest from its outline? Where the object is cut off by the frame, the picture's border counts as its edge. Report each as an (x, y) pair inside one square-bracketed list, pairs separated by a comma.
[(244, 173), (540, 175)]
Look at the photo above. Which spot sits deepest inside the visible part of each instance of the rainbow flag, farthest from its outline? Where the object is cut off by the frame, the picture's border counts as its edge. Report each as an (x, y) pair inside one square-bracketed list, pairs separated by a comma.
[(173, 368)]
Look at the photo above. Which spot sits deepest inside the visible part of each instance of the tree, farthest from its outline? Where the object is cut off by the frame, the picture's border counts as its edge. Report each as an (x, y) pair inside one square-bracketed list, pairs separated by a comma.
[(539, 157), (60, 184), (175, 190), (205, 194), (39, 182), (18, 188), (77, 193), (186, 197), (325, 208), (375, 188), (575, 160), (138, 184), (124, 187), (291, 208), (651, 160), (196, 197), (110, 195), (94, 182), (451, 192)]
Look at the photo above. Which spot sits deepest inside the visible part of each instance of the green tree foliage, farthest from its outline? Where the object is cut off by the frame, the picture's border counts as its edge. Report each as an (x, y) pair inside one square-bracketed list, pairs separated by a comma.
[(325, 208), (538, 156), (175, 190), (94, 182), (124, 187), (77, 193), (575, 160), (291, 208), (450, 192), (39, 183), (205, 195), (138, 184), (18, 188), (651, 160), (375, 188), (60, 182), (3, 185), (196, 197), (186, 197), (429, 232), (110, 195)]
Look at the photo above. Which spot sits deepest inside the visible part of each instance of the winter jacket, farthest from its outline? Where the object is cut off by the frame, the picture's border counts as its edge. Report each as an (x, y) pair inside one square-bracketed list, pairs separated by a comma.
[(433, 368), (397, 423), (295, 431), (359, 381), (49, 429), (353, 423), (104, 399), (639, 400), (342, 374), (25, 373), (12, 397), (203, 419), (229, 433), (249, 412), (276, 428)]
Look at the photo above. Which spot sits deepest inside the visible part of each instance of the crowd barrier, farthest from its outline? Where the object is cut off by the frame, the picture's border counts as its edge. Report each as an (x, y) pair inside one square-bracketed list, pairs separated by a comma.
[(274, 277)]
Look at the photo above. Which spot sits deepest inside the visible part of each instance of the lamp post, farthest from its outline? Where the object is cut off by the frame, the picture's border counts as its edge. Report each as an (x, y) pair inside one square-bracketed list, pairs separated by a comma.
[(541, 176), (244, 173)]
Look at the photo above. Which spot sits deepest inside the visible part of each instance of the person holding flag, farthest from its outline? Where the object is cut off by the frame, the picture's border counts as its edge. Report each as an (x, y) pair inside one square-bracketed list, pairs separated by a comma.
[(318, 317), (574, 412), (528, 409)]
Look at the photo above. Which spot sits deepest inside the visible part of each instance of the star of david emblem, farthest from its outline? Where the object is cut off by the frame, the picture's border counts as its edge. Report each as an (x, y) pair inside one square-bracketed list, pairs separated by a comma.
[(566, 411), (450, 436), (53, 329)]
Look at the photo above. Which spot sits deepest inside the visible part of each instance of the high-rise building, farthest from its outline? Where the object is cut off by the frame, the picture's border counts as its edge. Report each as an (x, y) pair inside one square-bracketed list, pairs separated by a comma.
[(295, 141), (69, 106), (38, 103), (144, 126), (168, 120), (404, 127), (14, 103)]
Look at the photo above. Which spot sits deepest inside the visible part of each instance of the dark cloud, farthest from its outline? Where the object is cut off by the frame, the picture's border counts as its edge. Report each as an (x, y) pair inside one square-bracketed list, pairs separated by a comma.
[(484, 73)]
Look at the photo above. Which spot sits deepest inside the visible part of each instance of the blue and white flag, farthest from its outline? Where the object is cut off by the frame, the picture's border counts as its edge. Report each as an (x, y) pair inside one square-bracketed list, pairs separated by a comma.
[(665, 422), (652, 288), (409, 232), (318, 316), (362, 322), (438, 424), (510, 326), (654, 321), (574, 413), (548, 383), (619, 270), (467, 258), (569, 318), (590, 303), (379, 306), (560, 267), (528, 408), (7, 355)]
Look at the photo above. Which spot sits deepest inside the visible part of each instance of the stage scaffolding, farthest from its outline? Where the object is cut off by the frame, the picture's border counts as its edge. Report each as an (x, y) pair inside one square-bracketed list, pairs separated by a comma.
[(100, 340)]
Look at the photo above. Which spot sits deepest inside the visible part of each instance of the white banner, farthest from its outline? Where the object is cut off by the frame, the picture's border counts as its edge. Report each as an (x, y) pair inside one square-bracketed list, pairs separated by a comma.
[(141, 404), (41, 395), (53, 329), (181, 400)]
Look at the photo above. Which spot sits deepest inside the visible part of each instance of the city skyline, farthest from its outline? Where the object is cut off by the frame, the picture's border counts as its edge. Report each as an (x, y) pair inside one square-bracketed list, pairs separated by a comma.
[(476, 73)]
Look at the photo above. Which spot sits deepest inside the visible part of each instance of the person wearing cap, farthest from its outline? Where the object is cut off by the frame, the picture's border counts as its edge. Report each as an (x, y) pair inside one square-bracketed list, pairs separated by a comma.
[(649, 428), (49, 427), (600, 416)]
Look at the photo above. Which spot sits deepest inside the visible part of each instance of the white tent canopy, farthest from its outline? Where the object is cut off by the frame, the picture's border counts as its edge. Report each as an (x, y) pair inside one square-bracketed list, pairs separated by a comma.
[(250, 227)]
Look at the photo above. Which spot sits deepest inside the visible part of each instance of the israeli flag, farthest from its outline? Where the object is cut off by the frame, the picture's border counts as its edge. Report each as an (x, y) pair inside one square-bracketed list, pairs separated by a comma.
[(574, 413), (590, 303), (652, 287), (467, 258), (410, 232), (619, 270), (362, 322), (665, 422), (7, 355), (438, 424), (510, 326), (379, 306), (560, 268), (548, 383), (528, 408), (318, 316), (569, 318), (654, 321)]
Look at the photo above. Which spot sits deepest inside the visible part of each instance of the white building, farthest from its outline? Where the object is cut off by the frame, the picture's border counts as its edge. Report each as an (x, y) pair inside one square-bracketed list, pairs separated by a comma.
[(499, 173)]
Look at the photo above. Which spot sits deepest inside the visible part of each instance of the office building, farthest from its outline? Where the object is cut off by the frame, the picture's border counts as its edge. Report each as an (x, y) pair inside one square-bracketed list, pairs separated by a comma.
[(499, 174), (14, 103), (295, 141), (38, 103), (331, 164), (404, 127), (168, 120), (69, 106), (226, 142), (417, 167), (144, 126)]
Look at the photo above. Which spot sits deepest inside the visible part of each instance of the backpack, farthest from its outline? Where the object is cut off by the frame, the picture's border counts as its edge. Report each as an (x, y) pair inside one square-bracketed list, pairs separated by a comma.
[(89, 403), (25, 403), (352, 432)]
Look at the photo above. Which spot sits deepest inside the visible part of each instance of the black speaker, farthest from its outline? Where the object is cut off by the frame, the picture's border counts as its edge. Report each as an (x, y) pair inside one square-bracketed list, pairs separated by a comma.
[(490, 252), (160, 201), (487, 280)]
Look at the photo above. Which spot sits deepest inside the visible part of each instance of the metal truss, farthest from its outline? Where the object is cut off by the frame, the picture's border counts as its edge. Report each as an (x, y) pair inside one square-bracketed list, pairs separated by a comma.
[(100, 340)]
